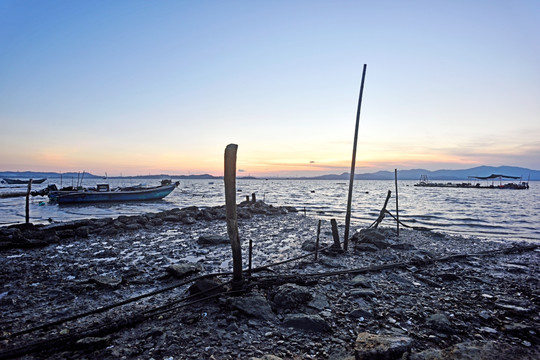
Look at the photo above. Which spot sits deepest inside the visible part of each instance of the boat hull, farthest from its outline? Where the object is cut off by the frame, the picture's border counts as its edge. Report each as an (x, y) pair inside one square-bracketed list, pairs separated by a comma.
[(77, 197), (19, 182)]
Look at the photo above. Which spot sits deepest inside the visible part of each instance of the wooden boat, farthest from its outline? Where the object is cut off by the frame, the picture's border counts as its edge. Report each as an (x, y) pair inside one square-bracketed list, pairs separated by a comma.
[(20, 182), (102, 193), (521, 185)]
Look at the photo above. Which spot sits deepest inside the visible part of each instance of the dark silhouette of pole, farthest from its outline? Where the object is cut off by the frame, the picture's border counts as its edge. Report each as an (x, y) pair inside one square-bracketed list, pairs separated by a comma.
[(230, 208), (353, 164), (27, 217), (397, 204)]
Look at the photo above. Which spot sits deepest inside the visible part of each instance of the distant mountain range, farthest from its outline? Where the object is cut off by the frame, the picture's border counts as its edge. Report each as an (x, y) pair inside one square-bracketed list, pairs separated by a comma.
[(413, 174)]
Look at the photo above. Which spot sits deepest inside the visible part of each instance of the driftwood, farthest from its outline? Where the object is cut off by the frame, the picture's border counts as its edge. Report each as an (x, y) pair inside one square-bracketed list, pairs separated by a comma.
[(382, 213)]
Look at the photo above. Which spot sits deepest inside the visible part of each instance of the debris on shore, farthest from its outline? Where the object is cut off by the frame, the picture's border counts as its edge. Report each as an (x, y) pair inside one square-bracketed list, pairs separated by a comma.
[(158, 286)]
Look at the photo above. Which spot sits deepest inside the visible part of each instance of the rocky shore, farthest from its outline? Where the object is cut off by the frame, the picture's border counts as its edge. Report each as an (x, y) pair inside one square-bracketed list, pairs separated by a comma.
[(157, 286)]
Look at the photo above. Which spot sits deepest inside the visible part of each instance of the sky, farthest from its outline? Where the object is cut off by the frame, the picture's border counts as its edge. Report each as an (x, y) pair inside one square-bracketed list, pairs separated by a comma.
[(162, 87)]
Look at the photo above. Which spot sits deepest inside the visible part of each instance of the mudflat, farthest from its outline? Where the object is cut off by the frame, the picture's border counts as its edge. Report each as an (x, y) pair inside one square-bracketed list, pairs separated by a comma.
[(159, 286)]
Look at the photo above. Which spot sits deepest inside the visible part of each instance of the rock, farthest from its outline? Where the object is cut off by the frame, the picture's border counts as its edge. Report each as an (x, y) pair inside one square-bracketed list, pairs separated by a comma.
[(402, 246), (475, 351), (360, 313), (254, 305), (363, 247), (266, 357), (134, 227), (309, 246), (440, 322), (213, 240), (181, 270), (189, 220), (448, 276), (363, 293), (306, 322), (207, 287), (290, 296), (319, 302), (360, 280), (82, 231), (107, 281), (372, 346)]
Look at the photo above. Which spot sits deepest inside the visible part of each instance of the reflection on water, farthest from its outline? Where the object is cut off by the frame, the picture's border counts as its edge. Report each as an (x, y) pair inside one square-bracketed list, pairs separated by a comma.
[(482, 212)]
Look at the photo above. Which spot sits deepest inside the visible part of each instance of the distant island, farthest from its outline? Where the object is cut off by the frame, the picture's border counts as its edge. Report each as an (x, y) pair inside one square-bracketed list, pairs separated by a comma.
[(413, 174)]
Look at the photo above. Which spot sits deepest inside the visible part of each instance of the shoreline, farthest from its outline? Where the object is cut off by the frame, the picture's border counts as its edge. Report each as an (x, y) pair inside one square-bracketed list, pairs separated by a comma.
[(400, 298)]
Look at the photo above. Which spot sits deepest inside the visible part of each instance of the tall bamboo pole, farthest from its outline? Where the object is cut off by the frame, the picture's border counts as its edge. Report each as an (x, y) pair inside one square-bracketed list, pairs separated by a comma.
[(353, 164), (230, 207), (397, 204)]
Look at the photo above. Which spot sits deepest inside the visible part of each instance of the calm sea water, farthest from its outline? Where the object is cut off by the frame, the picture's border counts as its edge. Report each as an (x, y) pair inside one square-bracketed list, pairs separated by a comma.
[(489, 213)]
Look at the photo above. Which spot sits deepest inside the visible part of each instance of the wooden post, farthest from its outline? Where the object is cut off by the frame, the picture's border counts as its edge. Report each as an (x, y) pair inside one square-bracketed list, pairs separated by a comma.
[(335, 234), (253, 198), (231, 215), (397, 204), (250, 256), (317, 242), (247, 198), (353, 164), (28, 201)]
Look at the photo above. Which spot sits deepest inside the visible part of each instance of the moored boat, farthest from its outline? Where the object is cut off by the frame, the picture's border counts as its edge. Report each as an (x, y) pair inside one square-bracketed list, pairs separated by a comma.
[(21, 182), (102, 193), (520, 185)]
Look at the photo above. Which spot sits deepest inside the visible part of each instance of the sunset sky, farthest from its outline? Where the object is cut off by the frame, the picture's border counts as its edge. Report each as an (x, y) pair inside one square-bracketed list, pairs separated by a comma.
[(151, 87)]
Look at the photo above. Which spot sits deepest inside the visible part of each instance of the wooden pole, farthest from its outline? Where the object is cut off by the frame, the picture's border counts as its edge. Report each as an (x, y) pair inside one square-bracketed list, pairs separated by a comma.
[(28, 201), (250, 256), (353, 164), (317, 243), (231, 215), (335, 234), (397, 203)]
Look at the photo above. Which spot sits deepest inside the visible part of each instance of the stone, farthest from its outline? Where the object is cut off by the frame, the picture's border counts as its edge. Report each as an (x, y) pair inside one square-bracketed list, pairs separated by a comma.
[(306, 322), (107, 281), (372, 346), (402, 246), (363, 247), (290, 296), (360, 313), (212, 240), (474, 351), (360, 281), (207, 287), (254, 305), (319, 302), (363, 293), (440, 322), (181, 270)]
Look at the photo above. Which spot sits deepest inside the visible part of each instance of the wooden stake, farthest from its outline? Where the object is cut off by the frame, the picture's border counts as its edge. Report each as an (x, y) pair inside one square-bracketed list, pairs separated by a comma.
[(317, 242), (231, 215), (250, 255), (353, 164), (28, 201), (397, 204), (335, 233)]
